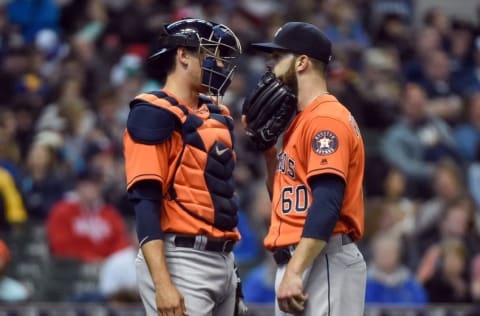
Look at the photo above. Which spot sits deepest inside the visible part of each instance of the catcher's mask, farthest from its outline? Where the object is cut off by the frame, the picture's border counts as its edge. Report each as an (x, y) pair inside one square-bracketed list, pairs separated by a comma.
[(217, 43)]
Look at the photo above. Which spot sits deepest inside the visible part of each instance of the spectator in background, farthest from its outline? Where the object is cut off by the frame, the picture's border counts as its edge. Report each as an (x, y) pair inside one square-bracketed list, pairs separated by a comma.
[(32, 83), (54, 115), (32, 16), (345, 29), (449, 284), (394, 33), (15, 63), (117, 276), (416, 142), (8, 33), (91, 70), (71, 116), (448, 186), (128, 79), (444, 96), (437, 18), (456, 222), (473, 178), (370, 94), (9, 149), (380, 87), (50, 51), (96, 19), (381, 8), (12, 209), (10, 289), (469, 76), (461, 52), (426, 41), (388, 280), (467, 134), (392, 211), (45, 177), (153, 13), (102, 154), (25, 116), (108, 117), (342, 82), (475, 278), (82, 226)]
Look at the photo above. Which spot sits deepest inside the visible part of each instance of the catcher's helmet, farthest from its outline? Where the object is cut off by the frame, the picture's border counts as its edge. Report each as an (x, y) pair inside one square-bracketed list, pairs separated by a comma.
[(216, 41)]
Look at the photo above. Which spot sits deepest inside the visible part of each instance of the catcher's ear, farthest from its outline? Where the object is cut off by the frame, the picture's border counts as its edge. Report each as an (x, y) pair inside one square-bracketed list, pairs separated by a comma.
[(182, 56)]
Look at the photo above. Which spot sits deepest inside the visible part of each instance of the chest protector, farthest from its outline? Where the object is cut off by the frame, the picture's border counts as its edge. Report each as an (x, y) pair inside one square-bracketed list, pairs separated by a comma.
[(202, 181)]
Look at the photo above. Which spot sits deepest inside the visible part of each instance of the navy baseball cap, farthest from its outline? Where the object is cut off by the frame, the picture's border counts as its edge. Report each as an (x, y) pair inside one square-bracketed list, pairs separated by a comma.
[(299, 38)]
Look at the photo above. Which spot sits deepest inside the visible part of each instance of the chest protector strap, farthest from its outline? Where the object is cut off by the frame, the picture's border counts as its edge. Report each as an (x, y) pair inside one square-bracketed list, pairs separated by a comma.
[(217, 168)]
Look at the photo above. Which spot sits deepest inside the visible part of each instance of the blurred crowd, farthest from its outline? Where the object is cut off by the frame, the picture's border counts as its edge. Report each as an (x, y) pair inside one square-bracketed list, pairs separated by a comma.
[(68, 70)]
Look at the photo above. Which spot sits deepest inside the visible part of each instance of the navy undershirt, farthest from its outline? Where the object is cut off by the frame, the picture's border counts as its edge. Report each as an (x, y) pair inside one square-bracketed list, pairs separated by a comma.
[(327, 191), (324, 212), (146, 198)]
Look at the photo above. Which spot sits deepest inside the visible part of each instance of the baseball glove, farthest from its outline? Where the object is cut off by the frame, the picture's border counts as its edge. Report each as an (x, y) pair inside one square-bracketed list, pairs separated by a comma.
[(268, 110)]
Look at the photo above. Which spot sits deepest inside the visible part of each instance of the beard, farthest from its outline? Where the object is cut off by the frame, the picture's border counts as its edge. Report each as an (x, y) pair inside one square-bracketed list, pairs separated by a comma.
[(289, 78)]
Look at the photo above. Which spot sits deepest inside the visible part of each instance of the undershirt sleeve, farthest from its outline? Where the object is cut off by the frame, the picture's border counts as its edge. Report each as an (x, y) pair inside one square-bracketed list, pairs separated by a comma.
[(146, 198), (324, 212)]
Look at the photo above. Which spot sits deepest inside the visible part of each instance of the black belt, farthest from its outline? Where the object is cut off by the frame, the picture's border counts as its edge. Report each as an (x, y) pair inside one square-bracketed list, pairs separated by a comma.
[(283, 254), (346, 239), (219, 245)]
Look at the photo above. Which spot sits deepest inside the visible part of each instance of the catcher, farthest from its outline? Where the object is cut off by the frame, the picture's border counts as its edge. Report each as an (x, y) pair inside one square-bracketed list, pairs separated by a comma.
[(179, 161), (315, 180)]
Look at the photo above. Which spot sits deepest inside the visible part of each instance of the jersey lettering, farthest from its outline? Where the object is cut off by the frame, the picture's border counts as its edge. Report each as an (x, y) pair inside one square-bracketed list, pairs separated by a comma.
[(297, 197), (286, 165), (287, 199), (301, 197), (291, 168), (281, 162)]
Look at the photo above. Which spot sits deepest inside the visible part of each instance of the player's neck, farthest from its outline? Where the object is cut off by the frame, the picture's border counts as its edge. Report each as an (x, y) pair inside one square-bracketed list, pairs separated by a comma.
[(309, 90), (182, 91)]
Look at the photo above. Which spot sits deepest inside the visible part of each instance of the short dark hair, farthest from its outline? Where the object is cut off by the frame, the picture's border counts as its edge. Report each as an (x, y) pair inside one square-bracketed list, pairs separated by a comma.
[(319, 66), (160, 68)]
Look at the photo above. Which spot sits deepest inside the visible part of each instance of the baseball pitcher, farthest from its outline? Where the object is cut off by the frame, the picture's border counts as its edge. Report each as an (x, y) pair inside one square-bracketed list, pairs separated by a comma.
[(315, 179)]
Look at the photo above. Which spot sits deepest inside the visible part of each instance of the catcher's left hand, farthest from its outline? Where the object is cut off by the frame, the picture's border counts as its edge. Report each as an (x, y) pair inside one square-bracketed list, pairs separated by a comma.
[(241, 308), (268, 110)]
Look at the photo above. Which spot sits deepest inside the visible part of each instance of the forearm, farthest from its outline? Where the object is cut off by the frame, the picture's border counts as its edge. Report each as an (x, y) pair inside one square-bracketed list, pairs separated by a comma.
[(153, 252), (327, 192), (270, 157), (305, 253)]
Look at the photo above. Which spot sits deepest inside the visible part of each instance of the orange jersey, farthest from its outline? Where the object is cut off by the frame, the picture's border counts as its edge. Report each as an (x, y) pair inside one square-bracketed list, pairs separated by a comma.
[(191, 210), (323, 138)]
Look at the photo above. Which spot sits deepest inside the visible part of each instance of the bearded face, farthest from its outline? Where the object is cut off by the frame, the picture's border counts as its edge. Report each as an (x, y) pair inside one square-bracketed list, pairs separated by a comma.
[(289, 78)]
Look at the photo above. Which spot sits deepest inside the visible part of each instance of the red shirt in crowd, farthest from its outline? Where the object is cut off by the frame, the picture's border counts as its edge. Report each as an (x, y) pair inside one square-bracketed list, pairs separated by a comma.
[(87, 235)]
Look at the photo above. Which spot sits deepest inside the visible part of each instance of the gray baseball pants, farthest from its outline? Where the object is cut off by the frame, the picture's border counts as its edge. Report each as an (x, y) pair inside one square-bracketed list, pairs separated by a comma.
[(335, 282), (206, 279)]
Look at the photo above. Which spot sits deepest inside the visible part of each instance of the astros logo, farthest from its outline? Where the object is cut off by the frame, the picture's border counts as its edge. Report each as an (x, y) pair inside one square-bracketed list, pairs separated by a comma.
[(325, 143)]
